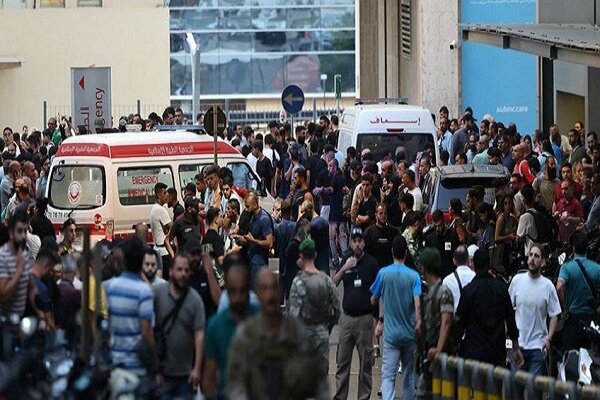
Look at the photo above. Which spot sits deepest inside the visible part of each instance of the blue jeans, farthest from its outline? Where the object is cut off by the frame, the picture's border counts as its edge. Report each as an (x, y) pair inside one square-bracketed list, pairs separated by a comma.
[(389, 369), (535, 363)]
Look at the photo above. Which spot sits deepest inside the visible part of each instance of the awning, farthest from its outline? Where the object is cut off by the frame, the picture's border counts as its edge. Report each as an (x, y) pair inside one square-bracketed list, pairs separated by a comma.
[(578, 44), (9, 62)]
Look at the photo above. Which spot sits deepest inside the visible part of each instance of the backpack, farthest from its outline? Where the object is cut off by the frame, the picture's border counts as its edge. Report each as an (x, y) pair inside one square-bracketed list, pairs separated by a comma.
[(545, 225)]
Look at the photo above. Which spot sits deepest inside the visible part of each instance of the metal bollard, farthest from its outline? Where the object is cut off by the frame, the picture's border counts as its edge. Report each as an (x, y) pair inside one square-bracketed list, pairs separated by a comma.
[(447, 380), (436, 379), (532, 392), (550, 389), (493, 389), (507, 385), (477, 382), (464, 389)]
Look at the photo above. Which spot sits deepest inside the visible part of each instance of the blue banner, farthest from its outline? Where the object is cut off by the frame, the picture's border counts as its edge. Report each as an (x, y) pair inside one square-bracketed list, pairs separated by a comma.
[(495, 81)]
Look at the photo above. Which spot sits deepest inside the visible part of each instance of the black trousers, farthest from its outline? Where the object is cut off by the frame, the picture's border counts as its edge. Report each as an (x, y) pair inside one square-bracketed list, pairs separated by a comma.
[(573, 336)]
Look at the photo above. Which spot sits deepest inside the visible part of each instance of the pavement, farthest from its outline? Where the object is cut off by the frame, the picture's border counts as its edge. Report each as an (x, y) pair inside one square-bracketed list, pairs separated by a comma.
[(353, 392)]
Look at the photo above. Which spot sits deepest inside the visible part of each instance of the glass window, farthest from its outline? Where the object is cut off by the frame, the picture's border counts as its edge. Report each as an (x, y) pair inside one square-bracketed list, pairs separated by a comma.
[(136, 185), (182, 3), (382, 144), (343, 64), (236, 19), (89, 3), (13, 4), (80, 186), (337, 17), (458, 187), (181, 75), (188, 172), (52, 3), (303, 18), (243, 176)]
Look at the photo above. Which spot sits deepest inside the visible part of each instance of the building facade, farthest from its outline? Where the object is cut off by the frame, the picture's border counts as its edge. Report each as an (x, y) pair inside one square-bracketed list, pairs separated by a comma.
[(43, 39), (250, 50)]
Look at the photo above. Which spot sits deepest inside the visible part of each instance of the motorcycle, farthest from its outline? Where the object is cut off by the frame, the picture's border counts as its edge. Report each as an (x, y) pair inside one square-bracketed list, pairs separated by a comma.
[(583, 365)]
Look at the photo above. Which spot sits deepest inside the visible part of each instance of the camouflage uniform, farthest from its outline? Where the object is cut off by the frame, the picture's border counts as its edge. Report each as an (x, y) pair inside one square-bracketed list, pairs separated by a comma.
[(412, 244), (437, 301), (313, 299), (274, 365)]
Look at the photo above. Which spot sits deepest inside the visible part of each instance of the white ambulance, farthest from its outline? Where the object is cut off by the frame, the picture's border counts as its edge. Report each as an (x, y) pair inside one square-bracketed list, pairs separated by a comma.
[(386, 129), (106, 181)]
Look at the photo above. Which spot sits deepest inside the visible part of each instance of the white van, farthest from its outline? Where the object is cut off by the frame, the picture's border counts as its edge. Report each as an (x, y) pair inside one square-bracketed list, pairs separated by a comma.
[(106, 181), (384, 128)]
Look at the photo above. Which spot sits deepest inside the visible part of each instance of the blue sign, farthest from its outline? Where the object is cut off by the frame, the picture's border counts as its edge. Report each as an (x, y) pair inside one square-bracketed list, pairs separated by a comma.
[(292, 99), (495, 81)]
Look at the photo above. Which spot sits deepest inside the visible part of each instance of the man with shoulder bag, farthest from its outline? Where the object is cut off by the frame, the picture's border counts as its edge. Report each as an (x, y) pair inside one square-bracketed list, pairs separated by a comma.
[(577, 288), (180, 322)]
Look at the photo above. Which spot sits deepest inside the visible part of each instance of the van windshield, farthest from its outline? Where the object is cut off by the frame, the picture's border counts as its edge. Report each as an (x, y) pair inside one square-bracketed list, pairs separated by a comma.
[(382, 144), (77, 186)]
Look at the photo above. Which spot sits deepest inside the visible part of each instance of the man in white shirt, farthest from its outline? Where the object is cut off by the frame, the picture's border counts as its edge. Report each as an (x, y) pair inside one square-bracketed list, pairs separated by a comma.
[(462, 275), (535, 300), (410, 186), (160, 224)]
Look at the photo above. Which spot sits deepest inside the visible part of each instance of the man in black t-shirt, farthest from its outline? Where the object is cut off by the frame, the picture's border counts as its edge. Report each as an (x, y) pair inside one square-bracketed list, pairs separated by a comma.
[(379, 237), (357, 273), (443, 239), (264, 167), (187, 226), (300, 192), (366, 208), (214, 220)]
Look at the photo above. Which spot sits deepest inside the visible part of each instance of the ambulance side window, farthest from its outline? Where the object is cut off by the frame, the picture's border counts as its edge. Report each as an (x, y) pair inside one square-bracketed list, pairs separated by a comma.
[(136, 185), (243, 176), (188, 172)]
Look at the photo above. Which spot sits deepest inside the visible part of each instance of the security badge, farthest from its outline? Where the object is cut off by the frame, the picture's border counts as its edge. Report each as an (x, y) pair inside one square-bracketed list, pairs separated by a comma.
[(358, 283), (447, 246)]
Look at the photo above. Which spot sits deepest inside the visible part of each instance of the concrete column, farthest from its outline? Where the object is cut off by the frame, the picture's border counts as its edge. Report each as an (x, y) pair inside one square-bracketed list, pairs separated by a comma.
[(370, 48), (392, 48)]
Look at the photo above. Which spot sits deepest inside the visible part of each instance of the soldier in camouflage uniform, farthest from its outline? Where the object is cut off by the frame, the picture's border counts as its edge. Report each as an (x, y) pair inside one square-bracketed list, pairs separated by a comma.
[(313, 299), (438, 309), (271, 356)]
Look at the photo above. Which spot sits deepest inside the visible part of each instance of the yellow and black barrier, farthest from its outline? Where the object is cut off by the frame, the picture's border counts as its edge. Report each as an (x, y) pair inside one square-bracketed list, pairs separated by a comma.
[(455, 378)]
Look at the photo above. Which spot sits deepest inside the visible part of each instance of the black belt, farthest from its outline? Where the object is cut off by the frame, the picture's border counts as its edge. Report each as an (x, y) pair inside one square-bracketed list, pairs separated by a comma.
[(159, 245)]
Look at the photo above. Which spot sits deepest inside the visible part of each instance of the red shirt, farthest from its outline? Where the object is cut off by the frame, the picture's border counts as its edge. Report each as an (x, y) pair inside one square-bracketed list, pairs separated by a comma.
[(572, 208), (577, 191), (522, 168)]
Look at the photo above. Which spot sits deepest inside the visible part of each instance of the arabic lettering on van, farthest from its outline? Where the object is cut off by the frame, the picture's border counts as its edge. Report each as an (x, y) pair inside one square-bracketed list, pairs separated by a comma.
[(381, 120), (170, 150)]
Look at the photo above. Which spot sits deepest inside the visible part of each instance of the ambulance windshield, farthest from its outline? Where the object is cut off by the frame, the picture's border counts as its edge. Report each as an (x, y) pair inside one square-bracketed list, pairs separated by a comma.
[(76, 186), (397, 146)]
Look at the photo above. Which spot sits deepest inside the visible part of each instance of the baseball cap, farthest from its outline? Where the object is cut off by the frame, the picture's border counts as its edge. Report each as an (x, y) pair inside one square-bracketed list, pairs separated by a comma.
[(356, 232)]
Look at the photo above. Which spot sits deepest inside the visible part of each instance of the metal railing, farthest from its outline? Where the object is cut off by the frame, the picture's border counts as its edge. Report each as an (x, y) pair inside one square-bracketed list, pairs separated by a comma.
[(455, 378)]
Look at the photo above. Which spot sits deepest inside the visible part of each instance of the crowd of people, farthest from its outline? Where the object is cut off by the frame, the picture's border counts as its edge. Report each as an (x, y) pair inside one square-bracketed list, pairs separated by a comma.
[(241, 301)]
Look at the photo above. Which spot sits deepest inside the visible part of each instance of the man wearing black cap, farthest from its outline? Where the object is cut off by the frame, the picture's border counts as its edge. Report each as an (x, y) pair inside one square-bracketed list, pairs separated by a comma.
[(188, 226), (358, 272)]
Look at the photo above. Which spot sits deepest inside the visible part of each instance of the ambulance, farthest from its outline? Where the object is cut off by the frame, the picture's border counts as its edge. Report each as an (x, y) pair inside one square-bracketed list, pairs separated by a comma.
[(388, 129), (106, 181)]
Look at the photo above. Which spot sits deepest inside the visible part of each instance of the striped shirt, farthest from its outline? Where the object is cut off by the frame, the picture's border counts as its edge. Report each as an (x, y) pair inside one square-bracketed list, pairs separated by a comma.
[(129, 301), (8, 267)]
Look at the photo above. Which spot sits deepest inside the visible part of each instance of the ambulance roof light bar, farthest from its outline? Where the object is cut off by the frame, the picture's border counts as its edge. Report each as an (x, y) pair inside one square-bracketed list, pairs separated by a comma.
[(199, 129), (381, 100)]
